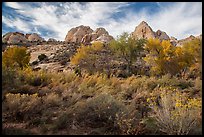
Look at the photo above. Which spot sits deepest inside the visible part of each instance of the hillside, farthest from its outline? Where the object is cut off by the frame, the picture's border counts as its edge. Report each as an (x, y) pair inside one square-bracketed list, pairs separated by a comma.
[(142, 83)]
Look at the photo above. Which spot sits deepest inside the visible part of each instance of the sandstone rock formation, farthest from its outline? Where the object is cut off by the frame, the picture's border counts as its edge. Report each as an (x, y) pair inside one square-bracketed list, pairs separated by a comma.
[(173, 41), (17, 38), (14, 38), (104, 38), (76, 34), (34, 37), (88, 38), (143, 30), (100, 31), (162, 35), (86, 35)]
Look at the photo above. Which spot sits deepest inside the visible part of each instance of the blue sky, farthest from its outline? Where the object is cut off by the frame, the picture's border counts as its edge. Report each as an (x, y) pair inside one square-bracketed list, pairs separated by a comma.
[(55, 19)]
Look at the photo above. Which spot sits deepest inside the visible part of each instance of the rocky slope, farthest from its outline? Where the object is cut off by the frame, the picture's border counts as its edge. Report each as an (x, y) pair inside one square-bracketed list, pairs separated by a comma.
[(17, 37)]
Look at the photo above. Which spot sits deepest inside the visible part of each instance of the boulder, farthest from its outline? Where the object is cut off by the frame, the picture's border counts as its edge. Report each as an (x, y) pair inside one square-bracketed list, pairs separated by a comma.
[(76, 34)]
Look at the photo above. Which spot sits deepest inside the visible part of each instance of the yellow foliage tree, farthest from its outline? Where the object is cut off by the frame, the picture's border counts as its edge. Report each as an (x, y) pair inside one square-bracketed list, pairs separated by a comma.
[(87, 56), (15, 57), (166, 58), (161, 57)]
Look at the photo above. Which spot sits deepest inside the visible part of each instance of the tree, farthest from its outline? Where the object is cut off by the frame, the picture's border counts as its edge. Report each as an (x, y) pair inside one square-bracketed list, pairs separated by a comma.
[(165, 58), (15, 57), (161, 57), (192, 56), (128, 48), (91, 58)]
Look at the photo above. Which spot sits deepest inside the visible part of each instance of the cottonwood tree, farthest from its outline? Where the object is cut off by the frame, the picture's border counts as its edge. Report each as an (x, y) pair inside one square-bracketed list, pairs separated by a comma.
[(128, 48), (15, 57)]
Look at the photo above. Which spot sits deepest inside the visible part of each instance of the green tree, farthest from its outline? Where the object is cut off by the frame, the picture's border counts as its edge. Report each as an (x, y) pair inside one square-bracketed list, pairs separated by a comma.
[(128, 48), (15, 57)]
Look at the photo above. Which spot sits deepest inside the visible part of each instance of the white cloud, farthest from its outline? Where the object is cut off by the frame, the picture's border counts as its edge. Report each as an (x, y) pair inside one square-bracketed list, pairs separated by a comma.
[(178, 19), (17, 24)]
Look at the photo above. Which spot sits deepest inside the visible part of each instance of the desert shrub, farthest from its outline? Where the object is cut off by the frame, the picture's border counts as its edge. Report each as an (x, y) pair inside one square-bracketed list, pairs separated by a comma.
[(167, 80), (8, 77), (64, 77), (64, 120), (39, 78), (175, 113), (129, 123), (52, 99), (16, 131), (22, 106), (99, 111), (15, 57), (42, 57), (34, 62)]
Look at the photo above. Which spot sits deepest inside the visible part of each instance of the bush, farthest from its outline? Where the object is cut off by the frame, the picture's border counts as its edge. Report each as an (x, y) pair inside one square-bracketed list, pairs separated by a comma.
[(39, 78), (42, 57), (16, 110), (99, 111), (175, 113)]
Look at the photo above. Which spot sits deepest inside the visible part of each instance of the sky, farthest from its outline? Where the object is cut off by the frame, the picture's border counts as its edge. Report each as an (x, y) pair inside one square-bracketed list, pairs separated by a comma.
[(55, 19)]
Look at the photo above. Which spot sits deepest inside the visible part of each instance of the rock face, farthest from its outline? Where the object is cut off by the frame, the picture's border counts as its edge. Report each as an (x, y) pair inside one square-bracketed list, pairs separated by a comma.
[(88, 38), (86, 35), (104, 38), (14, 38), (143, 30), (17, 37), (76, 34), (173, 41), (100, 31), (162, 35), (34, 37)]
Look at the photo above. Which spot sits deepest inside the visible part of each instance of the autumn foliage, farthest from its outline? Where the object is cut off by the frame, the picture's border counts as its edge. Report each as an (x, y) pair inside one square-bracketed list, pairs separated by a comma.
[(15, 57)]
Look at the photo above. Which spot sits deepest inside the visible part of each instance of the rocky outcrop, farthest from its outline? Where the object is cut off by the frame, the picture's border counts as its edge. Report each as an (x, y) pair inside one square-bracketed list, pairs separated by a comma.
[(76, 34), (143, 30), (34, 37), (85, 35), (104, 38), (88, 38), (173, 41), (100, 31), (18, 38), (14, 38), (162, 35)]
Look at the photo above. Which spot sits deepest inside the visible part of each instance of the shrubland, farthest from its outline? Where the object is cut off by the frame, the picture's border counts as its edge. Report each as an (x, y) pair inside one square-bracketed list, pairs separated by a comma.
[(94, 100)]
